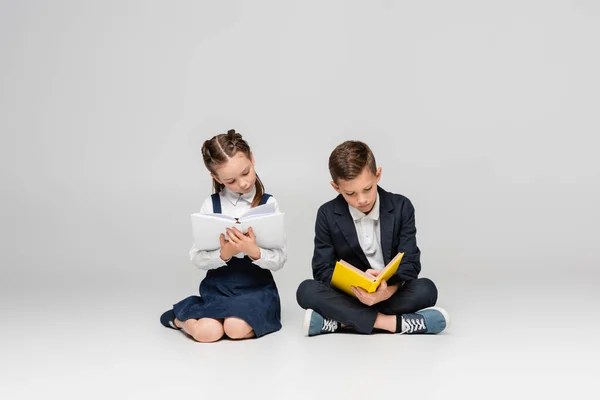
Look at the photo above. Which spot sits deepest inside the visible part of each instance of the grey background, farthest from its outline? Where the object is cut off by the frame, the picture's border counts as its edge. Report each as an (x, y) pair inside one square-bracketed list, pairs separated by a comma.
[(483, 113)]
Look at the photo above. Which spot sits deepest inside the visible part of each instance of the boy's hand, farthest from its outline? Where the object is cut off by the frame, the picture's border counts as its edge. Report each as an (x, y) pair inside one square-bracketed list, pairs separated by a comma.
[(244, 243), (373, 272), (369, 299)]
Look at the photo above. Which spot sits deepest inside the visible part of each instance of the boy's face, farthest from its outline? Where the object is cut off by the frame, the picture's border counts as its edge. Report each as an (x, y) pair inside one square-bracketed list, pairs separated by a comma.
[(360, 192)]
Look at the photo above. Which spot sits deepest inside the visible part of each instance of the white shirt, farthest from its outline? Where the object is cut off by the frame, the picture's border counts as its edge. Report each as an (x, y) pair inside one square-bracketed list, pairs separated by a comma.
[(369, 234), (234, 204)]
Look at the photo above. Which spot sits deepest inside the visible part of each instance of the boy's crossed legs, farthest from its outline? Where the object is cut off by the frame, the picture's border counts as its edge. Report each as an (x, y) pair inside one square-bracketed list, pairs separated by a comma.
[(409, 310)]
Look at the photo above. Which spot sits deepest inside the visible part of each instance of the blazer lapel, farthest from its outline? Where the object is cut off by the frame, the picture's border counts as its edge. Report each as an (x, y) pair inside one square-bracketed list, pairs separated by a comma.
[(345, 223), (387, 219)]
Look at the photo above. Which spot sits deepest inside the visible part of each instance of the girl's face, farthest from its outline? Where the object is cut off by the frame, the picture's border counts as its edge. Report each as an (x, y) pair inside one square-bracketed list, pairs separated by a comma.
[(237, 174)]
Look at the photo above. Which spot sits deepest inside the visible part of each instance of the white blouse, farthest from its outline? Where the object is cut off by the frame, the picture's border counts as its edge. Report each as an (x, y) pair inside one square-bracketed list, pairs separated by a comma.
[(234, 204)]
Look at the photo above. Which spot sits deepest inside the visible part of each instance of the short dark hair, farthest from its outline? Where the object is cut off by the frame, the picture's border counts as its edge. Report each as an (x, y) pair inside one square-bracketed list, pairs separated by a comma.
[(349, 159)]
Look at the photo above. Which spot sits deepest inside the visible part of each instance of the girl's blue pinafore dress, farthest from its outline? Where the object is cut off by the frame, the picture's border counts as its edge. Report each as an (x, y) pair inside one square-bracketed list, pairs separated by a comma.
[(240, 289)]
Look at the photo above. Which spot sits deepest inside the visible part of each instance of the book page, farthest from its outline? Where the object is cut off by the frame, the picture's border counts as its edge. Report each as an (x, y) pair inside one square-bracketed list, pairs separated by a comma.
[(391, 268), (259, 210), (215, 216), (358, 271), (269, 230), (207, 229)]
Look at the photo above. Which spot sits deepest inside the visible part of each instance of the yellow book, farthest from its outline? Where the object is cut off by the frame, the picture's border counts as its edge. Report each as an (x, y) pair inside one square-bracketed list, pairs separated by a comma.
[(346, 275)]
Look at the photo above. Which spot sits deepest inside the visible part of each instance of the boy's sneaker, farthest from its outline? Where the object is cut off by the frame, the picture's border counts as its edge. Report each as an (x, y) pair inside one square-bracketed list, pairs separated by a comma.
[(316, 324), (428, 320)]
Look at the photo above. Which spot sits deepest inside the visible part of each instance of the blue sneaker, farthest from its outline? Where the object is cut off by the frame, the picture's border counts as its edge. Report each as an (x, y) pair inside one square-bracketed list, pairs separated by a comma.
[(315, 324), (428, 320)]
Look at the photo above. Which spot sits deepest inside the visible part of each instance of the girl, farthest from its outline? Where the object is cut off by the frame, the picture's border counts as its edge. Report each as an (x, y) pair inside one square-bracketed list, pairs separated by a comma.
[(238, 296)]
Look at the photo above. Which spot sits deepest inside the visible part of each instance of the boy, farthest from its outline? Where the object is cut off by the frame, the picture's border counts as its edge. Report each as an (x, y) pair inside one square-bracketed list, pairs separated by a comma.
[(367, 226)]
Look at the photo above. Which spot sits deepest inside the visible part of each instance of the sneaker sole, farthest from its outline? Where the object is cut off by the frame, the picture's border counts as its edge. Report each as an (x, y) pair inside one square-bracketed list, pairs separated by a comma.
[(443, 312), (307, 318)]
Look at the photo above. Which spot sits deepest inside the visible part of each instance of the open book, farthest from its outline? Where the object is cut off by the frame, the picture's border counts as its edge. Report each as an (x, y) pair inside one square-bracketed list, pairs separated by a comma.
[(267, 224), (346, 275)]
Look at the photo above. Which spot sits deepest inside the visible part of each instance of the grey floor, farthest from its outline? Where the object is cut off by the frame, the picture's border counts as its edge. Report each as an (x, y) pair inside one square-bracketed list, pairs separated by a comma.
[(485, 114), (510, 338)]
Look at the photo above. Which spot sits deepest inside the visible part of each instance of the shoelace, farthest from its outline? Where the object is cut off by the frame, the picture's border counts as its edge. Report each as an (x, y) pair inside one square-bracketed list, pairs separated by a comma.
[(329, 325), (414, 324)]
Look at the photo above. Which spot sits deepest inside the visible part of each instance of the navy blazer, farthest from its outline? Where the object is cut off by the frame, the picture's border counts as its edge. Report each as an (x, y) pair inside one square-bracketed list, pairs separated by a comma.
[(336, 237)]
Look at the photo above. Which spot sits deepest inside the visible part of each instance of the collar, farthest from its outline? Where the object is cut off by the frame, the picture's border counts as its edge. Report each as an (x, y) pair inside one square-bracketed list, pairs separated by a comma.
[(234, 197), (357, 214)]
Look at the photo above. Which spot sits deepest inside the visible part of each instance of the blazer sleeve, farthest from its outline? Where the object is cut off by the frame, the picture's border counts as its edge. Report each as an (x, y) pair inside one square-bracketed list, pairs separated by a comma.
[(324, 256), (410, 266)]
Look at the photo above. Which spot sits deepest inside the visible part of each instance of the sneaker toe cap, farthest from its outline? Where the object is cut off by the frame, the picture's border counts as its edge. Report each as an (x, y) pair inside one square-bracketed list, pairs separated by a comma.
[(435, 320)]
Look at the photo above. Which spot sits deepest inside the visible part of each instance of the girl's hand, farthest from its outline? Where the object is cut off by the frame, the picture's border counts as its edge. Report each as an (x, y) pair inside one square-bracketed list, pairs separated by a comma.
[(244, 243), (227, 249)]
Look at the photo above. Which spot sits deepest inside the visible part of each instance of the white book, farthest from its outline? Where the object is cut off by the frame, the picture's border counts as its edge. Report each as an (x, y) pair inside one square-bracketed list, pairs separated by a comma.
[(267, 224)]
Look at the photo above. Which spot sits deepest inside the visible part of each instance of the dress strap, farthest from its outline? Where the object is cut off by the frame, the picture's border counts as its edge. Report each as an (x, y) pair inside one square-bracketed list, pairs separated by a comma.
[(264, 199), (216, 201)]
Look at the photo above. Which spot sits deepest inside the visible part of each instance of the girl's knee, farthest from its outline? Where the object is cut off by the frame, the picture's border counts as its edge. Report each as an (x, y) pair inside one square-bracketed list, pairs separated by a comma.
[(206, 330), (236, 328)]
